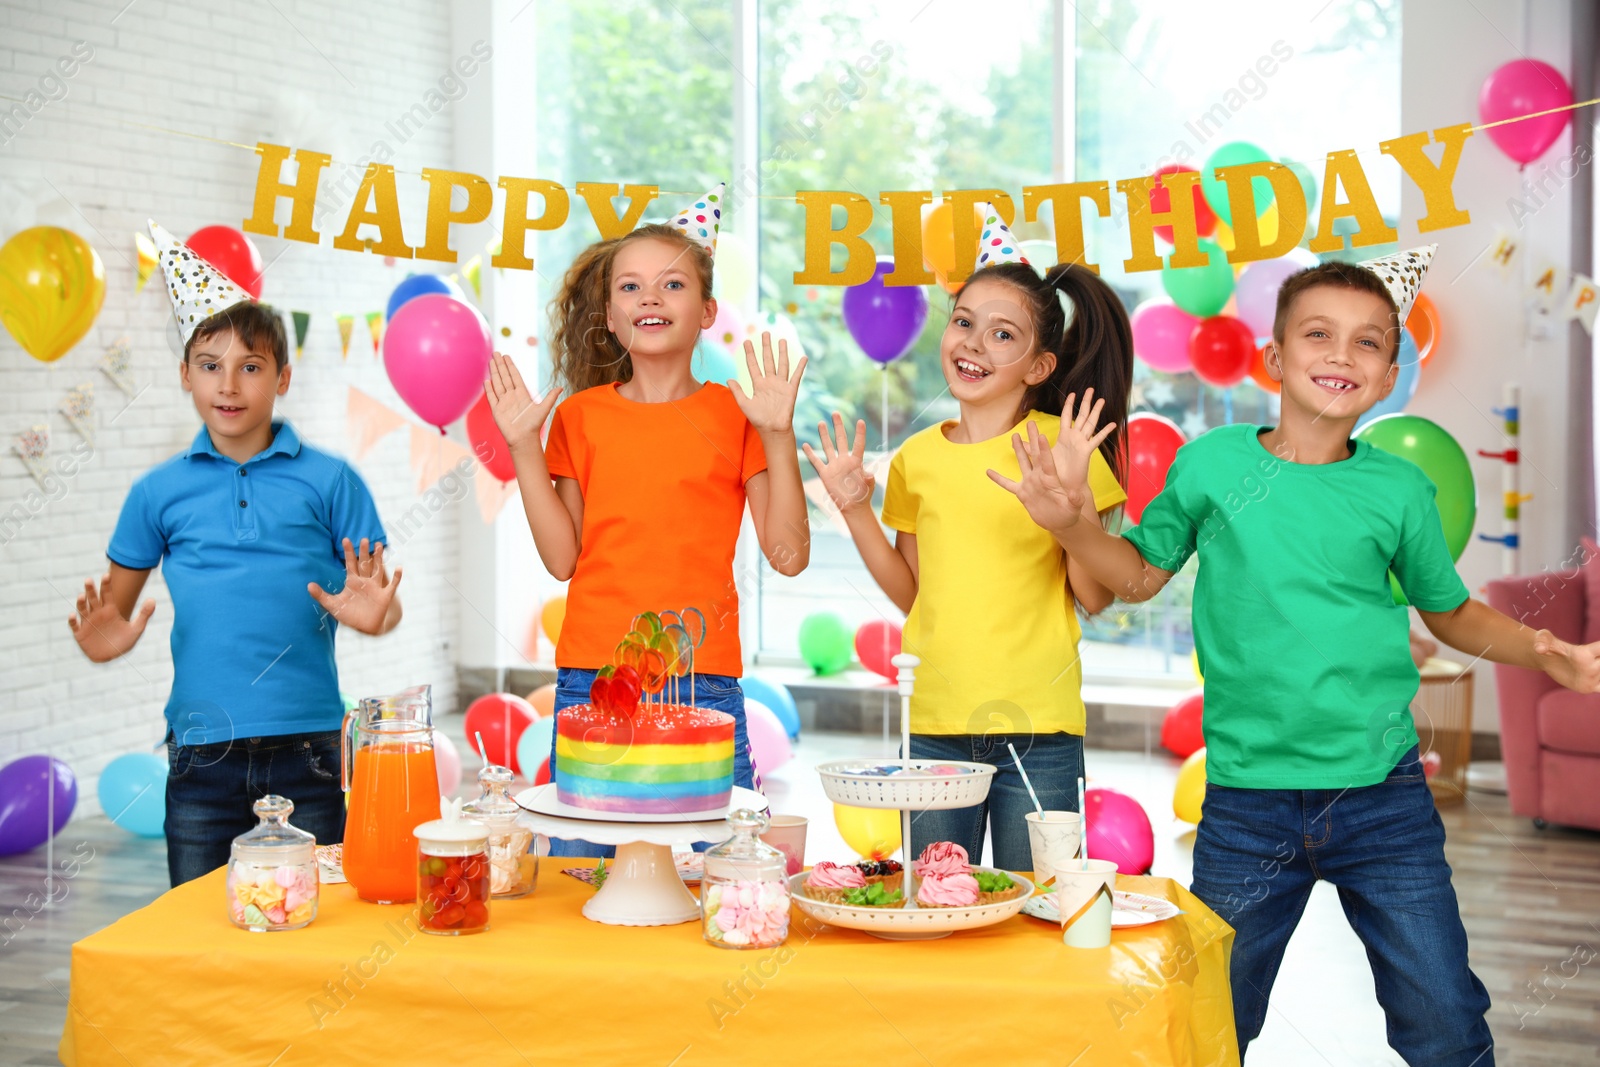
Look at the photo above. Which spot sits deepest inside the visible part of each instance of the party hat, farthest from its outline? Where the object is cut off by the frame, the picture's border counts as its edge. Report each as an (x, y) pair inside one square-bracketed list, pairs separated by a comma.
[(198, 290), (997, 244), (699, 220), (1402, 273)]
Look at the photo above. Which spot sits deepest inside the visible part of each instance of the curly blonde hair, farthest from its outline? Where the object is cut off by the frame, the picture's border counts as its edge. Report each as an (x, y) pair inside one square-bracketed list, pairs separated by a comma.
[(584, 352)]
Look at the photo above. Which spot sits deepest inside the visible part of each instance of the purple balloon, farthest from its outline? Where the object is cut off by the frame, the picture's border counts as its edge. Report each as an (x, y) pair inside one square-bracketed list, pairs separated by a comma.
[(25, 802), (885, 321), (1256, 293)]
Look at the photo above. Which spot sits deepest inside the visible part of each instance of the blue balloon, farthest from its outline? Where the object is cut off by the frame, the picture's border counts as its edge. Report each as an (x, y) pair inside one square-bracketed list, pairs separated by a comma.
[(133, 793), (533, 747), (1405, 385), (776, 697), (28, 788), (418, 285), (712, 363)]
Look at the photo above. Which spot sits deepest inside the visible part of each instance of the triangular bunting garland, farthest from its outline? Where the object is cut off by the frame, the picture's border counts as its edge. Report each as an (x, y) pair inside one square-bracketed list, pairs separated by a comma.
[(367, 420), (347, 324), (148, 257), (492, 494), (302, 325), (473, 273), (375, 324), (433, 454)]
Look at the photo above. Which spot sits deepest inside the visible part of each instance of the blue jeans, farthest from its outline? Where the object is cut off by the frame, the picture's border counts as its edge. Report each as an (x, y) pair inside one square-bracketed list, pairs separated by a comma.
[(1259, 851), (1054, 763), (718, 692), (210, 790)]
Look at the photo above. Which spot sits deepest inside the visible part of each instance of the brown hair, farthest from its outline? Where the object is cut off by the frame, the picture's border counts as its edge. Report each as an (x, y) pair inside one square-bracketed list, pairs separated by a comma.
[(1094, 350), (1339, 276), (585, 353), (258, 327)]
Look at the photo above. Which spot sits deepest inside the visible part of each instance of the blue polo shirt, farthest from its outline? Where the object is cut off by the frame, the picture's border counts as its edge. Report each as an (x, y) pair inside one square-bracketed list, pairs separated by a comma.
[(252, 652)]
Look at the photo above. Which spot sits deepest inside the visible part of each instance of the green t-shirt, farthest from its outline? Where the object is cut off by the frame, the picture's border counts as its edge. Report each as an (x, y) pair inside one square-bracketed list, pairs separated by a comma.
[(1308, 672)]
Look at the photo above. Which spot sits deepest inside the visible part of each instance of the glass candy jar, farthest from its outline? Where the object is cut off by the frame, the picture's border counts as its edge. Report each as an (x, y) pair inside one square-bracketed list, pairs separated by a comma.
[(744, 894), (452, 874), (272, 873), (513, 867)]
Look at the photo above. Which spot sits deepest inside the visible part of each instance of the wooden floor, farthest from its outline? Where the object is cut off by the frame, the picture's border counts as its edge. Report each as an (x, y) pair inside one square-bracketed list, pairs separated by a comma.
[(1530, 900)]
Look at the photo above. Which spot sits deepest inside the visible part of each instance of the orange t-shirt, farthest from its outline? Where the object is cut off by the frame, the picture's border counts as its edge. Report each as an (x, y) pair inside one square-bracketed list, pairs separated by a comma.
[(663, 498)]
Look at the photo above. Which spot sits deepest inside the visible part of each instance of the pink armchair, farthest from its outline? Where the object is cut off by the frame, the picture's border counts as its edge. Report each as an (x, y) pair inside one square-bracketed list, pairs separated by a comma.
[(1549, 736)]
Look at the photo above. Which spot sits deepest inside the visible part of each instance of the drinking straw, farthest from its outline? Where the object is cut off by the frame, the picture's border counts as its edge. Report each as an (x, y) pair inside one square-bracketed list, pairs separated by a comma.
[(1038, 807), (1083, 819)]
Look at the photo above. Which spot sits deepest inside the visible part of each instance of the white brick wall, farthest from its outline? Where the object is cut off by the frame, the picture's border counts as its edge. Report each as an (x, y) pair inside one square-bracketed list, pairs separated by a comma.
[(240, 72)]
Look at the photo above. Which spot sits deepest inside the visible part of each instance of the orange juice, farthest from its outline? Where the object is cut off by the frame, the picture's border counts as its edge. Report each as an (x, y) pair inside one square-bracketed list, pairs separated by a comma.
[(394, 789)]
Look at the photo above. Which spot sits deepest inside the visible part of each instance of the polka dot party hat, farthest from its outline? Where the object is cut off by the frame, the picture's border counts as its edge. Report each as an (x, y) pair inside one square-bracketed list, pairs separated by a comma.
[(197, 289), (1403, 273), (699, 220), (996, 243)]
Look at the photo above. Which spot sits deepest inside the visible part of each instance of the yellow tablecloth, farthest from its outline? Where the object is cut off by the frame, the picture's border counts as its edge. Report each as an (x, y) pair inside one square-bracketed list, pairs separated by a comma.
[(176, 983)]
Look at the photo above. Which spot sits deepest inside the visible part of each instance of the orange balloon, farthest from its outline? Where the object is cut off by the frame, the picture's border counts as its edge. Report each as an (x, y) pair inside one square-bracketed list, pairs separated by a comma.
[(543, 700), (1423, 322), (939, 243), (1259, 375), (551, 617)]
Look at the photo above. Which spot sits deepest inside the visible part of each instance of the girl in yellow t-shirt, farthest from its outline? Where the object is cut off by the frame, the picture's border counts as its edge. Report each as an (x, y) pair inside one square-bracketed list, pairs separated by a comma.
[(989, 593)]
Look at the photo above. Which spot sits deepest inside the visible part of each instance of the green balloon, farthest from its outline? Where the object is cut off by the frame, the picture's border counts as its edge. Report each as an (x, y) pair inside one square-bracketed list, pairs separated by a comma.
[(1308, 182), (1216, 190), (826, 643), (1201, 291), (348, 701), (1445, 463)]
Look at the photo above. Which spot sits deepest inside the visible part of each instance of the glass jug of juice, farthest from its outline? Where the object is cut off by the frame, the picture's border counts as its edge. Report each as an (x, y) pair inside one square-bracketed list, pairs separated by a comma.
[(389, 772)]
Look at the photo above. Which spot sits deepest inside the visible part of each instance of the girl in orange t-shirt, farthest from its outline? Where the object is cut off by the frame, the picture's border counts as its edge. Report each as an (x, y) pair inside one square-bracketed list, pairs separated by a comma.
[(637, 497)]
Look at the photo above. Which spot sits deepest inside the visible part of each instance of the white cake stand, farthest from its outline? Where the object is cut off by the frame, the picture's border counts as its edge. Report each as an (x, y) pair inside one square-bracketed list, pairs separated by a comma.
[(642, 887)]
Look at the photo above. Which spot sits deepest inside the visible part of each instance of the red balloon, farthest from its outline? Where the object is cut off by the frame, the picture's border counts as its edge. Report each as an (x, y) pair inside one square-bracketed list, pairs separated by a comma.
[(231, 252), (1161, 200), (1152, 444), (543, 775), (500, 718), (488, 442), (1258, 370), (877, 642), (1180, 730), (1221, 349)]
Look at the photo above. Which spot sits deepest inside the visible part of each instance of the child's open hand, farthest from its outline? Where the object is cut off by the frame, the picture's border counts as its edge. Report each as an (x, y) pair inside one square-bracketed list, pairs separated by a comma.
[(363, 603), (771, 407), (102, 632), (1055, 480), (1575, 666), (517, 413), (843, 473)]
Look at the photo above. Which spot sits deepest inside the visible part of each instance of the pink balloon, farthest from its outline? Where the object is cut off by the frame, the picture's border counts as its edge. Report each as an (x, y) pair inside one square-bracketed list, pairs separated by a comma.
[(769, 741), (729, 331), (1119, 831), (1161, 335), (436, 351), (1524, 87), (1256, 293), (447, 758)]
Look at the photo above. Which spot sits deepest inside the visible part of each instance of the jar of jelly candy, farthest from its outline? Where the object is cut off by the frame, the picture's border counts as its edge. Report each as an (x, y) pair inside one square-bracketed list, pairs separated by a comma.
[(744, 894), (452, 874), (272, 872)]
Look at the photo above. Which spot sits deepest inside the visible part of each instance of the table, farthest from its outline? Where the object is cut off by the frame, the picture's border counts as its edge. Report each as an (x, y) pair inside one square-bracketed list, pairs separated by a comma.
[(176, 983)]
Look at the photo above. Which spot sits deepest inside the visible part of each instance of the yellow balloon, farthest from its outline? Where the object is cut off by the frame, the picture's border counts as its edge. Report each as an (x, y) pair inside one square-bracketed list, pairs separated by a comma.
[(52, 285), (1194, 665), (874, 833), (1190, 792), (1268, 224), (551, 616)]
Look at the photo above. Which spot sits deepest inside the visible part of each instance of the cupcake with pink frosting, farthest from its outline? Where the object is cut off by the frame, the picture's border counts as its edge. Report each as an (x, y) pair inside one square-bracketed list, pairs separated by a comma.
[(829, 882), (946, 880)]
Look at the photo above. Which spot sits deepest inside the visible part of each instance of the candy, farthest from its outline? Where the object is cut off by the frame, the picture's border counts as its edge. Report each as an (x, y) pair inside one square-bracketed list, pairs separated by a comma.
[(270, 897), (747, 913), (453, 893)]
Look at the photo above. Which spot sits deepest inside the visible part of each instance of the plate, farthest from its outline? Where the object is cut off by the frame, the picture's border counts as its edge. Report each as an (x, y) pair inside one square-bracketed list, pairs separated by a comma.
[(924, 790), (543, 800), (909, 924), (1127, 909)]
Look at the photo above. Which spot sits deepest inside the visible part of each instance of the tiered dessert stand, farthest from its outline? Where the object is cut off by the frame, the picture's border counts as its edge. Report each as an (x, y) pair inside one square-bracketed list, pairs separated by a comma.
[(908, 793)]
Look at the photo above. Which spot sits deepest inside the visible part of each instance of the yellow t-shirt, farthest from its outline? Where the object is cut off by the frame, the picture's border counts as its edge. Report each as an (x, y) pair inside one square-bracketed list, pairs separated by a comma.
[(993, 622)]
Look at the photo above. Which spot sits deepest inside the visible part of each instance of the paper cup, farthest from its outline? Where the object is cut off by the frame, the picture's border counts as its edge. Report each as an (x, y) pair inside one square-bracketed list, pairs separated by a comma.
[(1084, 899), (787, 834), (1055, 837)]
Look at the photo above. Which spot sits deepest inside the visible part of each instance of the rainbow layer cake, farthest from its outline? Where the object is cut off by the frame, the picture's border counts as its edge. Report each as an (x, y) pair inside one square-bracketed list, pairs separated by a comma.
[(663, 759)]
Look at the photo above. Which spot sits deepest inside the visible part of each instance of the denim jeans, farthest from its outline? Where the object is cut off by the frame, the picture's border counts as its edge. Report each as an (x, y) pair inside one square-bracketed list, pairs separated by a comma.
[(1054, 763), (718, 692), (1257, 854), (211, 788)]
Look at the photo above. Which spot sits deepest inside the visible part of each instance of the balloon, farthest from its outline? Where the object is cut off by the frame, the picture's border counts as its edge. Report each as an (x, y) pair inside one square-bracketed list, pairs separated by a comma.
[(825, 642), (736, 271), (1180, 730), (1232, 154), (1405, 383), (1204, 290), (872, 833), (1221, 349), (877, 642), (488, 443), (436, 352), (884, 320), (769, 741), (1308, 182), (231, 252), (713, 363), (552, 615), (1257, 292), (1153, 443), (1190, 793), (543, 700), (727, 331), (501, 719), (1161, 200), (52, 284), (415, 285), (1523, 87), (1161, 335), (542, 776), (939, 242), (1258, 370), (28, 787), (133, 793), (533, 748), (348, 701), (1423, 322), (1119, 831), (775, 696), (447, 761), (1428, 446), (1041, 255)]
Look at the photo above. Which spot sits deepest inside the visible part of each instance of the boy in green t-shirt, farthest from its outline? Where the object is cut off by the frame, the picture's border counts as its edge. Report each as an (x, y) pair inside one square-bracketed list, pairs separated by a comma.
[(1312, 757)]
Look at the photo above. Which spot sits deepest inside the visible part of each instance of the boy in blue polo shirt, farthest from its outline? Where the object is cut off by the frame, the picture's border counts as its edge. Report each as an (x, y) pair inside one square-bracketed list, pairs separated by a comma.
[(248, 525), (1312, 763)]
